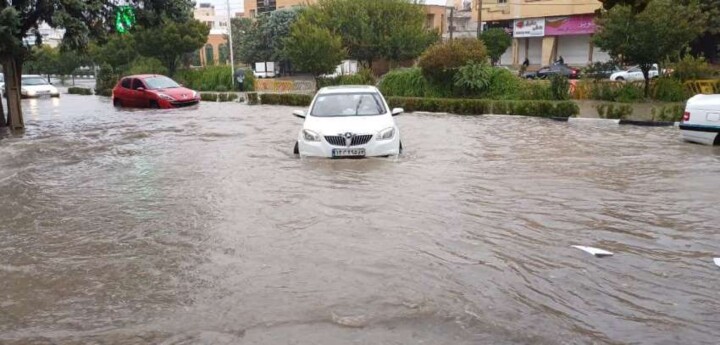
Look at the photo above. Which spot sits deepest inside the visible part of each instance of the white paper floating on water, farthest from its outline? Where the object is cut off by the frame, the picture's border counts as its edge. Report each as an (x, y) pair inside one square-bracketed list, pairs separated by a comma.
[(594, 251), (717, 261)]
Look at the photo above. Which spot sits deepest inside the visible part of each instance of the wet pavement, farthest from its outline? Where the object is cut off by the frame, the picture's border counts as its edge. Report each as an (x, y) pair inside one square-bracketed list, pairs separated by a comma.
[(198, 226)]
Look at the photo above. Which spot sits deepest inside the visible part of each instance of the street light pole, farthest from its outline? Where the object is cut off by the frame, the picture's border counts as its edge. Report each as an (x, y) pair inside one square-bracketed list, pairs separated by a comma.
[(479, 15), (230, 44)]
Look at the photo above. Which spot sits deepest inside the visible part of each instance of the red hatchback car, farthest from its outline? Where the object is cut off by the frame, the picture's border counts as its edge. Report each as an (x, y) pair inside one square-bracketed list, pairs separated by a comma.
[(152, 91)]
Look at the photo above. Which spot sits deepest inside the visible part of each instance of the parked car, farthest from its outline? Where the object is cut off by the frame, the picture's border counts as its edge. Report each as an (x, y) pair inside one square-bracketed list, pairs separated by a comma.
[(152, 91), (348, 121), (600, 71), (32, 86), (548, 71), (634, 74), (701, 121)]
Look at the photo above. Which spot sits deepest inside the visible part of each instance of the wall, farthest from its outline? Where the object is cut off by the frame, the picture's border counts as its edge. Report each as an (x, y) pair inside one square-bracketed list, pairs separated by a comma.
[(516, 9)]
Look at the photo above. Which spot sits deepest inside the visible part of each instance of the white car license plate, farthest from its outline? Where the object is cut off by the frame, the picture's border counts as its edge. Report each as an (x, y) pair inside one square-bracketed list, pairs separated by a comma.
[(348, 152)]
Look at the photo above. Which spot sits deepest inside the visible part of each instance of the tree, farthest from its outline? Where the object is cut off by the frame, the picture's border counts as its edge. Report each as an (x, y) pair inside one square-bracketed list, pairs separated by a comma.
[(264, 39), (371, 30), (440, 62), (497, 41), (82, 21), (314, 49), (662, 29), (118, 51), (170, 41)]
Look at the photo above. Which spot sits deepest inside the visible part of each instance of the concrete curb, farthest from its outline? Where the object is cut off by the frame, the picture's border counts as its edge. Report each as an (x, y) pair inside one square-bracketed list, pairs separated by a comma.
[(588, 120)]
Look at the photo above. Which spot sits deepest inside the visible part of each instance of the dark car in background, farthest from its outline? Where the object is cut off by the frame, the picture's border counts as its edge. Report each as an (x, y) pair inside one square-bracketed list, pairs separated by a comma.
[(548, 71)]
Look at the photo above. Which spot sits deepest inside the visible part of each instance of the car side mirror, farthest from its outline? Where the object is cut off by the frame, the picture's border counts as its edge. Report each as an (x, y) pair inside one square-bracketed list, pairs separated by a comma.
[(397, 111), (140, 89), (299, 113)]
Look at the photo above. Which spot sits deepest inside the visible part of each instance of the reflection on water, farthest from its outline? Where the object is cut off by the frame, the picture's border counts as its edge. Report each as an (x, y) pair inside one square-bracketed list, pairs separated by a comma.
[(197, 226)]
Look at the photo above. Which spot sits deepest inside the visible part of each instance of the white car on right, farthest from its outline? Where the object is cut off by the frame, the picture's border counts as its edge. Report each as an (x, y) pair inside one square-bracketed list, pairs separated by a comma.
[(701, 120), (634, 74)]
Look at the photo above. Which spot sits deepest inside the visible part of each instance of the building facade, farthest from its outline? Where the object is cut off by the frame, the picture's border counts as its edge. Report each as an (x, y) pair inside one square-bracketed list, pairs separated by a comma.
[(543, 30), (215, 51), (435, 10)]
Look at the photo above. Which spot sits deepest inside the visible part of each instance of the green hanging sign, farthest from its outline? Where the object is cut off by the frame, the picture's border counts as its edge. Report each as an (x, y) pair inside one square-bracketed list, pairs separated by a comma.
[(124, 18)]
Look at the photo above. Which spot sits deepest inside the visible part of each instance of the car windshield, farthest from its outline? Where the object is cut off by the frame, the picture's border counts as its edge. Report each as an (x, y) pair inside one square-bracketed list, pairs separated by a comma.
[(348, 104), (160, 83), (34, 81)]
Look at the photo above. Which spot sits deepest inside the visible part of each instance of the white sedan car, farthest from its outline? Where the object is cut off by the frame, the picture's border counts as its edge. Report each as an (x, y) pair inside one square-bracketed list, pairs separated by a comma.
[(37, 86), (348, 121), (634, 74), (701, 121)]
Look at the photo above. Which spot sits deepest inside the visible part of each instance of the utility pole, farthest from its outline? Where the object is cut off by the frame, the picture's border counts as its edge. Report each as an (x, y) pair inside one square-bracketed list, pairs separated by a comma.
[(230, 41), (452, 22), (479, 15)]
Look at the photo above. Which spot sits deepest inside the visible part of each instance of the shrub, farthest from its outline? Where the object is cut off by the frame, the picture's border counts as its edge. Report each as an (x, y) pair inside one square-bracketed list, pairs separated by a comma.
[(669, 90), (535, 90), (668, 113), (484, 106), (473, 79), (209, 97), (249, 81), (560, 87), (602, 91), (221, 88), (147, 65), (252, 98), (210, 78), (106, 80), (629, 93), (364, 77), (614, 111), (504, 85), (692, 68), (223, 97), (298, 100), (409, 82), (80, 91), (232, 97), (440, 62)]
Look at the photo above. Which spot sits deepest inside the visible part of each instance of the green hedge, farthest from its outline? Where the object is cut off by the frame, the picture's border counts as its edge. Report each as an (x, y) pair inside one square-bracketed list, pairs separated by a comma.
[(297, 100), (451, 105), (668, 112), (484, 106), (252, 98), (80, 91), (211, 78), (614, 111)]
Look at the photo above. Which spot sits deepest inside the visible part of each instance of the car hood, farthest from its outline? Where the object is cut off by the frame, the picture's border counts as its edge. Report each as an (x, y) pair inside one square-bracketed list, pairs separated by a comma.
[(618, 74), (39, 88), (344, 124), (176, 92)]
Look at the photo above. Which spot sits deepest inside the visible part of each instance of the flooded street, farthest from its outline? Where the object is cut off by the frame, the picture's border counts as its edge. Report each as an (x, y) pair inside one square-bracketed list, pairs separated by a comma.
[(198, 226)]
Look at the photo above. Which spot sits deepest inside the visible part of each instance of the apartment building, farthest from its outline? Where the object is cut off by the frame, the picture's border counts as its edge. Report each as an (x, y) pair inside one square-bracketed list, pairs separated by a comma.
[(435, 10), (543, 30), (216, 49)]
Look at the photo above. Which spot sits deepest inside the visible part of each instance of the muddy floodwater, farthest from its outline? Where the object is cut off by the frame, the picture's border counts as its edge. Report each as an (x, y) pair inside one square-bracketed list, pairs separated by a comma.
[(198, 226)]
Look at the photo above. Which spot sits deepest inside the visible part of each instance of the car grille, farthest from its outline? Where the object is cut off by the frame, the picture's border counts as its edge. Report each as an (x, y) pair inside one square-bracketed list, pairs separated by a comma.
[(180, 104), (337, 140)]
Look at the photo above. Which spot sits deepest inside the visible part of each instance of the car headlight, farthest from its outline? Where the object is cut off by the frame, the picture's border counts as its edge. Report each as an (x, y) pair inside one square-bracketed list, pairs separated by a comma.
[(309, 135), (386, 134), (165, 97), (195, 94)]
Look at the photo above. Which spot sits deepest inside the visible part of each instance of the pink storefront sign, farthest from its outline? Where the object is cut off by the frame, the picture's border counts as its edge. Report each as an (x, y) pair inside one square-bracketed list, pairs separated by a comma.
[(574, 25)]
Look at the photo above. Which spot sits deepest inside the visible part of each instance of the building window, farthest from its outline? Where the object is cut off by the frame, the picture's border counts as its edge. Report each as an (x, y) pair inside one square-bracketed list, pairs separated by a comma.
[(502, 1), (430, 21), (252, 13), (209, 55), (224, 53)]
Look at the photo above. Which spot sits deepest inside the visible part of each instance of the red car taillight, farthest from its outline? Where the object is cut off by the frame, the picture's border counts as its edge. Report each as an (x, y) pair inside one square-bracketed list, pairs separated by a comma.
[(686, 116)]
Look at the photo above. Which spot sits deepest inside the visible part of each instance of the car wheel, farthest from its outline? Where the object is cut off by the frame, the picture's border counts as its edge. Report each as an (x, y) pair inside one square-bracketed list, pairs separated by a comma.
[(154, 105), (56, 96), (717, 140), (619, 79), (401, 148), (296, 149), (117, 103)]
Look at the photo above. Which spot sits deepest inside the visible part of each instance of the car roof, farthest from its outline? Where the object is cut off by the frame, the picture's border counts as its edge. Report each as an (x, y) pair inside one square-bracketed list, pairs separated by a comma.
[(347, 89), (143, 76)]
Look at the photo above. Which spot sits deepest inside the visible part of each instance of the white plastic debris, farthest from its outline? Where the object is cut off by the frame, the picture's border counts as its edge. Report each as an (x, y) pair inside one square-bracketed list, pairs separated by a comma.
[(594, 251), (717, 261)]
